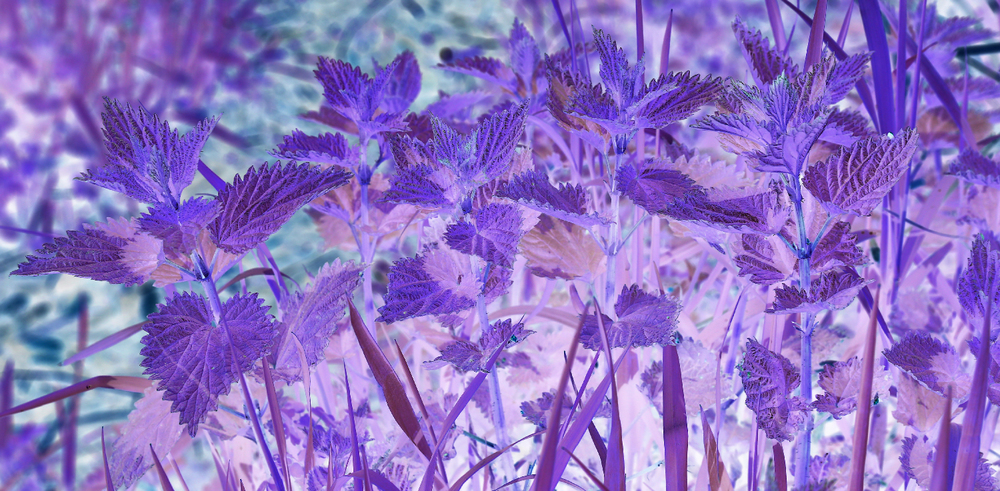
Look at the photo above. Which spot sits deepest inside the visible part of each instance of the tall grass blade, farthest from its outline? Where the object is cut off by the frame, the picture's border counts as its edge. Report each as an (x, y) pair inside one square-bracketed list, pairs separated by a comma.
[(276, 420), (939, 476), (862, 420), (675, 428), (614, 470), (107, 468), (871, 18), (780, 468), (814, 50), (162, 474), (104, 343), (972, 423), (119, 382)]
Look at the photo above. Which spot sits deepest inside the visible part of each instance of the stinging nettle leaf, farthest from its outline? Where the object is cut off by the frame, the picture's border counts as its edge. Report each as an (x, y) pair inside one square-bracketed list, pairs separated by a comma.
[(146, 160), (152, 422), (654, 185), (179, 228), (256, 205), (974, 167), (328, 148), (833, 290), (115, 252), (838, 247), (472, 357), (769, 380), (854, 180), (766, 63), (190, 353), (494, 237), (980, 276), (644, 319), (931, 361), (754, 211), (565, 202)]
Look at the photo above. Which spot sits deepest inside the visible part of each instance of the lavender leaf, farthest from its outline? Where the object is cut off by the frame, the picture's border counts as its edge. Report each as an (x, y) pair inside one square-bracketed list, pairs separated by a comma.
[(565, 202), (833, 290), (769, 380), (494, 237)]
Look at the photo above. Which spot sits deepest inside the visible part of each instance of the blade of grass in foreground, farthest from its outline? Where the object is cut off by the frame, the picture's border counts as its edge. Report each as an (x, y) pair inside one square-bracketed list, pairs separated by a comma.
[(864, 404), (550, 444), (107, 468), (122, 382), (392, 388), (162, 474), (457, 485), (780, 470), (104, 343), (675, 430), (939, 475), (279, 425), (972, 424), (614, 470)]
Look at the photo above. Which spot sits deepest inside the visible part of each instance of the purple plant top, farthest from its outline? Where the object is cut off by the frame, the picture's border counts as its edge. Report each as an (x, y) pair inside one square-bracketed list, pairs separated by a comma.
[(769, 380)]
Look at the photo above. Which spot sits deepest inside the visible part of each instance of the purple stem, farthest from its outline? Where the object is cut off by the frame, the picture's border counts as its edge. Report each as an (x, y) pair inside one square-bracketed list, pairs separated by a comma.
[(208, 284), (777, 25)]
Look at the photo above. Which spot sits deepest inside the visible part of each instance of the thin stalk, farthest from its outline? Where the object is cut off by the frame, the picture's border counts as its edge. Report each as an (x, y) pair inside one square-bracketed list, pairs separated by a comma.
[(614, 235), (496, 397), (208, 285), (805, 252), (366, 245)]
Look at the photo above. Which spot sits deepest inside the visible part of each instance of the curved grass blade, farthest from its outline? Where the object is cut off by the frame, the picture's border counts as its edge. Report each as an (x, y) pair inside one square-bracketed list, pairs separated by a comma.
[(392, 388), (586, 470), (107, 468), (162, 474), (940, 476), (972, 424), (862, 420), (478, 466), (614, 470), (104, 343), (279, 425), (122, 382)]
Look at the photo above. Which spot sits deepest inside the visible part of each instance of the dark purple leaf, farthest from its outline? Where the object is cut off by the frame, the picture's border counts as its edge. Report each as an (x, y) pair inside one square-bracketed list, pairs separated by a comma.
[(496, 139), (359, 97), (403, 85), (620, 81), (760, 211), (838, 247), (472, 357), (844, 75), (841, 386), (758, 261), (312, 316), (674, 97), (846, 127), (257, 204), (525, 57), (489, 69), (146, 160), (833, 290), (980, 276), (494, 237), (93, 253), (930, 360), (854, 180), (644, 319), (327, 148), (974, 167), (766, 63), (179, 228), (769, 380), (533, 190), (537, 411), (654, 186), (417, 180), (187, 350)]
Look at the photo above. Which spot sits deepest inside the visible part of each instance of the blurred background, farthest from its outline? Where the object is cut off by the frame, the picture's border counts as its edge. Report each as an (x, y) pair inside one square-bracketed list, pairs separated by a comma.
[(250, 61)]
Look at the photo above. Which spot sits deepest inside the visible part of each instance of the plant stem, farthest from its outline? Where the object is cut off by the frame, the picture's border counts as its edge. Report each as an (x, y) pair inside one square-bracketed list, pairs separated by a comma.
[(208, 284), (614, 235), (366, 243), (496, 398), (805, 277)]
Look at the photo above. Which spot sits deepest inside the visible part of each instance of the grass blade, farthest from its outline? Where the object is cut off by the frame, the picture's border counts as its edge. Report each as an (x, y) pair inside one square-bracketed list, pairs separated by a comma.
[(814, 50), (550, 444), (665, 48), (871, 18), (972, 423), (780, 469), (107, 468), (939, 476), (675, 429), (104, 343), (276, 420), (359, 466), (777, 25), (614, 470), (6, 399), (119, 382), (162, 474), (420, 404), (586, 470), (478, 466), (717, 477), (392, 388), (862, 420)]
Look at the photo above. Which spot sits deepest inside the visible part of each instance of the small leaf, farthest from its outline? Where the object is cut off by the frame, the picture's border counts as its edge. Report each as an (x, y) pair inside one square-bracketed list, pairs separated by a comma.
[(974, 167), (854, 180), (179, 228), (565, 202), (765, 264), (769, 380), (472, 357), (644, 319), (192, 356), (151, 422), (257, 204), (556, 248), (980, 275), (931, 361), (654, 185), (760, 211), (327, 148), (766, 63), (833, 290), (494, 237), (837, 248)]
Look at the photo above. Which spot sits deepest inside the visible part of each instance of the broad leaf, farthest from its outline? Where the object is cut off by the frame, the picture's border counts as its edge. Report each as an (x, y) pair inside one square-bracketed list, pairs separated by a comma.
[(760, 211), (833, 290), (769, 380), (193, 357), (644, 319), (838, 247), (974, 167), (151, 423), (179, 228), (980, 276), (654, 185), (931, 361), (472, 357), (766, 63), (327, 148), (854, 180), (257, 204), (494, 237), (556, 248), (762, 261), (565, 202)]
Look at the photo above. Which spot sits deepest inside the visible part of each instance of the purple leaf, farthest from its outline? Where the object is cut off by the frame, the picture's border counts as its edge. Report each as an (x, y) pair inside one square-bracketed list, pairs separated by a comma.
[(769, 380), (840, 381), (674, 97), (496, 139), (359, 97), (257, 204), (838, 247), (179, 228), (472, 357), (537, 411), (980, 275), (438, 281), (854, 180), (151, 422), (654, 186), (931, 361), (416, 180), (644, 319), (846, 127), (489, 69), (974, 167), (766, 63), (760, 211), (114, 252), (844, 75), (312, 316), (758, 261), (570, 97), (191, 355), (565, 202), (525, 58), (494, 237), (327, 148), (146, 160), (621, 81), (403, 85), (833, 290)]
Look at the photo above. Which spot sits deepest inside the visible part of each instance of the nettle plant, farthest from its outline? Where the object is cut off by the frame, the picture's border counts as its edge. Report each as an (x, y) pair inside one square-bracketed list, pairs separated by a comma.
[(547, 211)]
